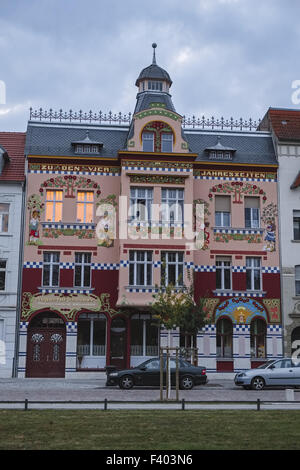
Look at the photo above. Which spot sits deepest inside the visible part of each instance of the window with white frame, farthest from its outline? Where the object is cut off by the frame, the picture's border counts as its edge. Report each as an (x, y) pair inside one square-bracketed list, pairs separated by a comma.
[(2, 274), (172, 268), (91, 336), (4, 213), (54, 206), (296, 224), (82, 270), (144, 335), (222, 211), (223, 273), (154, 85), (140, 268), (141, 204), (172, 204), (148, 141), (252, 212), (166, 142), (51, 269), (253, 274), (297, 280), (85, 206)]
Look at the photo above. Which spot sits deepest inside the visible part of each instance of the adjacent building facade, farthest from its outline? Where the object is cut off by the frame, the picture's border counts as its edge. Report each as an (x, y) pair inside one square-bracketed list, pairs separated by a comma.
[(12, 180), (284, 124), (111, 210)]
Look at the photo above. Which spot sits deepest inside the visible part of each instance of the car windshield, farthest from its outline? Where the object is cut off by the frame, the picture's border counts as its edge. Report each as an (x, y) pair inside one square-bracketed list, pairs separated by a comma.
[(265, 365)]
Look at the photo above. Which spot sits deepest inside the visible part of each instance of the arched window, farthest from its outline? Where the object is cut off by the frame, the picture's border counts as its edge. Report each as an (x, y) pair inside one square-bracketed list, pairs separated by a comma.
[(157, 136), (224, 338), (258, 332)]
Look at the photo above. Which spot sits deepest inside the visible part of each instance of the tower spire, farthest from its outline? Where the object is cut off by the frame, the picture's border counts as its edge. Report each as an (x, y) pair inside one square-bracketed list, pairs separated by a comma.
[(154, 45)]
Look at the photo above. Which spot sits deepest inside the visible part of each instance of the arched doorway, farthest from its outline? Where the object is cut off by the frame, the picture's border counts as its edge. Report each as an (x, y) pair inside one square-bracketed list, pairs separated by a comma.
[(295, 340), (46, 346), (118, 343)]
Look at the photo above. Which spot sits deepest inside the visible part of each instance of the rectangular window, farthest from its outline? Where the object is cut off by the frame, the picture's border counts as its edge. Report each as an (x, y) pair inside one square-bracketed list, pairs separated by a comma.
[(172, 204), (144, 335), (297, 280), (148, 141), (296, 224), (172, 268), (140, 268), (82, 270), (85, 206), (51, 269), (166, 142), (4, 211), (91, 338), (253, 274), (141, 204), (2, 274), (54, 206), (252, 212), (157, 86), (222, 211), (223, 273)]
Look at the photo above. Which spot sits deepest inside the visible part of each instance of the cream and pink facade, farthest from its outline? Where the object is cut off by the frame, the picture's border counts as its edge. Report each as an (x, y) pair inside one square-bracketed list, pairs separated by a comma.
[(111, 209)]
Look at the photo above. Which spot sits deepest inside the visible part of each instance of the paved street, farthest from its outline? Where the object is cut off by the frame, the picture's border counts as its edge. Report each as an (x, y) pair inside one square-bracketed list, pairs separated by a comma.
[(217, 389)]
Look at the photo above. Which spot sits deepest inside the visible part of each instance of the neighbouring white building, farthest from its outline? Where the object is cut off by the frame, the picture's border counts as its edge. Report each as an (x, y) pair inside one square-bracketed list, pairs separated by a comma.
[(284, 125), (12, 187)]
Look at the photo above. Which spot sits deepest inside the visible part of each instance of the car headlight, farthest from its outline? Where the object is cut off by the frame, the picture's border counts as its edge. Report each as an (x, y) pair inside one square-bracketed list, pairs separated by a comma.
[(113, 374)]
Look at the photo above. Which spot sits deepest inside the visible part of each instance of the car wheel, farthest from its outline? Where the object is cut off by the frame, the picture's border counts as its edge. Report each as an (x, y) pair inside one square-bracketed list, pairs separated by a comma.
[(257, 383), (126, 382), (186, 383)]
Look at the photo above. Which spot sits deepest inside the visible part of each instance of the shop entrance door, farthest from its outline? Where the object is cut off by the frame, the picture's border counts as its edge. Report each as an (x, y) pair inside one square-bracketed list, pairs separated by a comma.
[(118, 343)]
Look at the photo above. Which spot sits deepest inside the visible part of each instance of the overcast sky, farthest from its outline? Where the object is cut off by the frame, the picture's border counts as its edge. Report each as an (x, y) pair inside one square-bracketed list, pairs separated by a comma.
[(231, 58)]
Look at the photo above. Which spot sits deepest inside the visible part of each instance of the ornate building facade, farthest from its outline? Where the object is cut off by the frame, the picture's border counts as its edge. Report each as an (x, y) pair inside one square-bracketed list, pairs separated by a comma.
[(110, 211)]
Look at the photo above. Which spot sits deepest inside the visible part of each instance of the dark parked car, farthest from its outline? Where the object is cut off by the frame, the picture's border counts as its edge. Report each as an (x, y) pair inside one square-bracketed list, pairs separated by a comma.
[(148, 373)]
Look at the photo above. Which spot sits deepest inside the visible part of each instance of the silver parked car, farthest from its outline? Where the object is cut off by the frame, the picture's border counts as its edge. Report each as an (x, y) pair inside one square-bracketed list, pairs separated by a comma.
[(280, 372)]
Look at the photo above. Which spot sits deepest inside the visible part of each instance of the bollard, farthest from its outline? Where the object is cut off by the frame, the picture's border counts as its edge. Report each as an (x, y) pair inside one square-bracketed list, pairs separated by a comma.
[(289, 394), (26, 404), (182, 404), (258, 404), (105, 404)]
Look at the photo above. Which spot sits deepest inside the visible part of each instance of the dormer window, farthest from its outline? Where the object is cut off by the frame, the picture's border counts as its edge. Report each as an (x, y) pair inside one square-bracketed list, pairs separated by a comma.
[(154, 85), (157, 136), (87, 148), (87, 145), (220, 151), (166, 142), (148, 141)]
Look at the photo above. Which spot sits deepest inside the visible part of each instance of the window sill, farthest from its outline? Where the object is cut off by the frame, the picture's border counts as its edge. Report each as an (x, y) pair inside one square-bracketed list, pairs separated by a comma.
[(246, 293), (295, 241), (64, 290)]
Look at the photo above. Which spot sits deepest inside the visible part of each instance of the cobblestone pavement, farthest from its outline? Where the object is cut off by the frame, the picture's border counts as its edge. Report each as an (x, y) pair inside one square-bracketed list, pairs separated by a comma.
[(95, 390)]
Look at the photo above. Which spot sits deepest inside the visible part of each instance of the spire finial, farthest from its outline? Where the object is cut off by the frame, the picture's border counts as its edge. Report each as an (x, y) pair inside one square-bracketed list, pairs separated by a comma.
[(154, 45)]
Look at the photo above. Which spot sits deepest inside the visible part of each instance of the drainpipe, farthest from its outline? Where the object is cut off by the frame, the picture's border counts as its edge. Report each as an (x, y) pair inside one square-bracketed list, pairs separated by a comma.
[(19, 287)]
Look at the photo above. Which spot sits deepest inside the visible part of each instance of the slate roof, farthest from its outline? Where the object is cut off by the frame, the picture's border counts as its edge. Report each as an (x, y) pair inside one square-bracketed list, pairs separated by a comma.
[(144, 99), (154, 72), (250, 147), (285, 123), (13, 143), (56, 139)]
